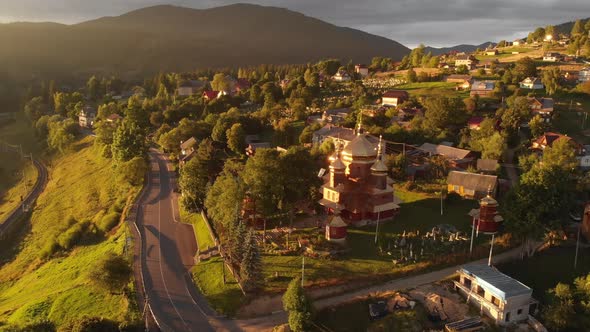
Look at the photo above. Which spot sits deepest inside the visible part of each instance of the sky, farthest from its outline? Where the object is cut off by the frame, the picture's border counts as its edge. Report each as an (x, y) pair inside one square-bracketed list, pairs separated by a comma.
[(410, 22)]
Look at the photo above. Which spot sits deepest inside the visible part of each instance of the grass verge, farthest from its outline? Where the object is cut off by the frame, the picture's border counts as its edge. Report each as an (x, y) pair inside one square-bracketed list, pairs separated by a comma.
[(204, 240)]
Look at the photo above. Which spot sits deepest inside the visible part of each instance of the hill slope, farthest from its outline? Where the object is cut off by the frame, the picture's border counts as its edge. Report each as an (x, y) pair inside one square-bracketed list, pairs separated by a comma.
[(174, 38), (458, 48)]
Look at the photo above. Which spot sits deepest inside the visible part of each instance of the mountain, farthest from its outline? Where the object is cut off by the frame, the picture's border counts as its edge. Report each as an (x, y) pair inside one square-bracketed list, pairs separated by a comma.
[(458, 48), (170, 38)]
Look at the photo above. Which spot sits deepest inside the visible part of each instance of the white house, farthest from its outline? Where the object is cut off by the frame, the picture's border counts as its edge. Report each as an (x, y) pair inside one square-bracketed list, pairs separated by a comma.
[(87, 117), (552, 57), (394, 98), (518, 42), (341, 76), (497, 295), (362, 70), (584, 75), (533, 83)]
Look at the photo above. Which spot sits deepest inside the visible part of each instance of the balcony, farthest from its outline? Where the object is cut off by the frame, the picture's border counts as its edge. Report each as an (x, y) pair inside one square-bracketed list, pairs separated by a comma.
[(480, 298)]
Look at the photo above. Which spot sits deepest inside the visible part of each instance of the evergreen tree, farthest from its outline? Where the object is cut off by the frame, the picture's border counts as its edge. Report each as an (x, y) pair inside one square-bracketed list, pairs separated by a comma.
[(251, 266), (128, 141), (578, 28), (238, 235), (551, 77), (298, 305)]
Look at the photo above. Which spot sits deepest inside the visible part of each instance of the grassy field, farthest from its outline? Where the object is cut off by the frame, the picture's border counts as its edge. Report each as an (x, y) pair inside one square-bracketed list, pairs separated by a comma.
[(82, 185), (354, 316), (224, 298), (544, 270), (17, 175), (433, 89), (201, 231)]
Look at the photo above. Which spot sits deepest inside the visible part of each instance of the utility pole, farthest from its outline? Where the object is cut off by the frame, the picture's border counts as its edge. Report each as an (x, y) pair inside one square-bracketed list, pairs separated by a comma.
[(441, 200), (491, 249), (377, 228), (223, 269), (577, 246), (472, 234), (303, 271)]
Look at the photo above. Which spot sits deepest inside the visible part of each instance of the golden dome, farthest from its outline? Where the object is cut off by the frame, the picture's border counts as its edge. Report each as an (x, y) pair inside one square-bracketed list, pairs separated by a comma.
[(488, 201), (379, 166), (337, 164), (360, 147)]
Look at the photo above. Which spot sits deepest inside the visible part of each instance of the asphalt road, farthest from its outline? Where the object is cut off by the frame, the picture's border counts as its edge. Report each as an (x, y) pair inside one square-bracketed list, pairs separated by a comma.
[(28, 201), (168, 255)]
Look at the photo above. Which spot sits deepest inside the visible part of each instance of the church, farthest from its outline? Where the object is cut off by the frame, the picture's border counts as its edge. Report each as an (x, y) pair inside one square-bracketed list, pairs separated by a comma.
[(357, 187)]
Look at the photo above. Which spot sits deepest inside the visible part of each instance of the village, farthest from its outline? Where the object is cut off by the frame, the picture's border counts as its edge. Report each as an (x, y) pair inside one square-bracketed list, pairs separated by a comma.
[(440, 192)]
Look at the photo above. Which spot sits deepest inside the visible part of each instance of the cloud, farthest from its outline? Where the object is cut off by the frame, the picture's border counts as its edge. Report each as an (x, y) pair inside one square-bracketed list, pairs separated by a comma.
[(432, 22)]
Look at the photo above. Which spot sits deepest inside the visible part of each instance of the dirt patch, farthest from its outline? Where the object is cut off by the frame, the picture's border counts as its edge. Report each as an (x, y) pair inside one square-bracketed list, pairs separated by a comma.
[(439, 300)]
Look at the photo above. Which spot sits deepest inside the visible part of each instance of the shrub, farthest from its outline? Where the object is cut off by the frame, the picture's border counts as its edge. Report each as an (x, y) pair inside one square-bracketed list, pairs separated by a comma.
[(108, 222), (452, 198), (49, 249), (133, 171), (92, 324), (112, 273), (40, 326), (73, 235)]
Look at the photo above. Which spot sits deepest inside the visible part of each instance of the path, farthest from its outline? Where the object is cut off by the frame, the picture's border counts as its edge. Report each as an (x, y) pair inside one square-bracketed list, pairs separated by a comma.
[(28, 201), (510, 167)]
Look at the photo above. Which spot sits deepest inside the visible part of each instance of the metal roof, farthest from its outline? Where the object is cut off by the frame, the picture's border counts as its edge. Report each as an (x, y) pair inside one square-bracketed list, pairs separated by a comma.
[(496, 282)]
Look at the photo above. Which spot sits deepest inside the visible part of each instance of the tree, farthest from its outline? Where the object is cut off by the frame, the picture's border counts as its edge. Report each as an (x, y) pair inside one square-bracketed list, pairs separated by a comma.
[(494, 147), (35, 108), (220, 82), (133, 171), (59, 137), (112, 273), (251, 265), (297, 177), (585, 87), (550, 78), (578, 28), (441, 112), (538, 126), (260, 177), (411, 76), (524, 68), (462, 69), (128, 141), (561, 312), (94, 88), (236, 138), (550, 31), (298, 305), (561, 154), (225, 197)]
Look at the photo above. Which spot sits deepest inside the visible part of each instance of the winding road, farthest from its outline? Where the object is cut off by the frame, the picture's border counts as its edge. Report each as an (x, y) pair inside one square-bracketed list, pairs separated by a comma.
[(28, 201), (167, 255)]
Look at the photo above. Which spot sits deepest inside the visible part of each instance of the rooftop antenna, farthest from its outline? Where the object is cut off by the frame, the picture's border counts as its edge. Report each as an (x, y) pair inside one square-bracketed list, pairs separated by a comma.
[(360, 124), (379, 148)]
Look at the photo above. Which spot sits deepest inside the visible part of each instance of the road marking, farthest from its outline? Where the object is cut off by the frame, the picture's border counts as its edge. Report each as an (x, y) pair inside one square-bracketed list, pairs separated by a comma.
[(160, 260)]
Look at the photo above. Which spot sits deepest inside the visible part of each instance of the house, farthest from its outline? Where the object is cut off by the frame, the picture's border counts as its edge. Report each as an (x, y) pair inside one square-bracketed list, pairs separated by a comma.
[(466, 60), (498, 296), (241, 85), (459, 158), (114, 118), (190, 87), (518, 42), (471, 185), (571, 75), (533, 83), (456, 78), (336, 115), (252, 147), (584, 75), (329, 131), (394, 98), (487, 166), (491, 52), (87, 117), (482, 88), (474, 123), (552, 57), (188, 146), (209, 95), (341, 76), (548, 138), (362, 70), (541, 106)]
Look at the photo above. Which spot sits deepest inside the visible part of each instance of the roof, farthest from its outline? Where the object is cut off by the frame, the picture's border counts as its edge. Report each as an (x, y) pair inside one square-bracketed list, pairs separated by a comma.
[(396, 94), (379, 166), (114, 117), (465, 57), (532, 80), (188, 143), (496, 282), (337, 164), (342, 133), (475, 120), (445, 151), (360, 146), (549, 137), (473, 181), (483, 85), (487, 165), (337, 222), (545, 102), (336, 111), (459, 77), (210, 94)]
